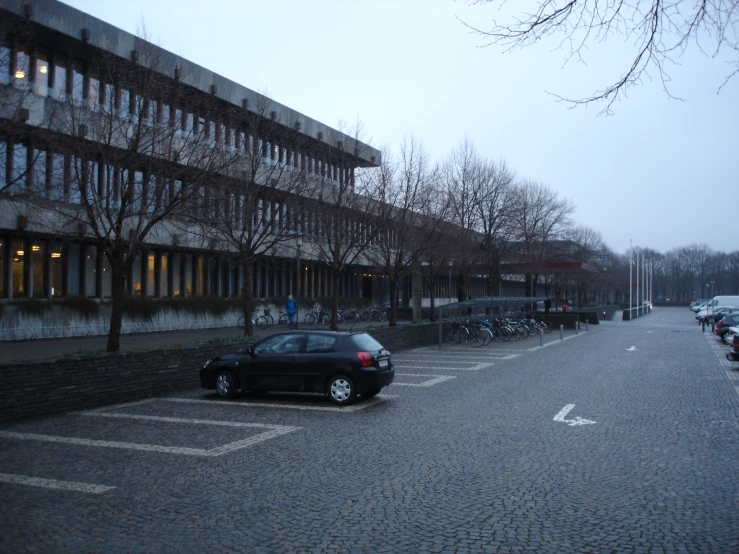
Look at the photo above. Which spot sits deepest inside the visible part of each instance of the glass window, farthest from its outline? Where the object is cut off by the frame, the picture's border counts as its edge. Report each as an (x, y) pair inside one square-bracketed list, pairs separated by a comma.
[(107, 97), (3, 165), (107, 278), (20, 165), (39, 171), (319, 343), (364, 341), (125, 102), (279, 344), (163, 275), (56, 191), (2, 269), (22, 65), (4, 63), (42, 71), (136, 270), (57, 267), (150, 275), (137, 191), (95, 93), (18, 251), (90, 270), (37, 269), (75, 196), (78, 82), (60, 76)]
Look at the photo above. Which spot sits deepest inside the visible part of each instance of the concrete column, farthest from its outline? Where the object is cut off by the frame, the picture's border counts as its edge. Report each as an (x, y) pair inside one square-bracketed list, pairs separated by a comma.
[(195, 274), (219, 276), (230, 280)]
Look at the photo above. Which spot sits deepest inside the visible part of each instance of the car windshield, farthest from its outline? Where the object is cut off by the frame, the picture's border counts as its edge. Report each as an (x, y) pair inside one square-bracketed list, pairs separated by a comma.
[(363, 341)]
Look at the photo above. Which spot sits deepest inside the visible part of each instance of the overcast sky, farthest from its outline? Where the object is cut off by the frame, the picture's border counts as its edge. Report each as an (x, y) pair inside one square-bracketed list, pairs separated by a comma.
[(659, 171)]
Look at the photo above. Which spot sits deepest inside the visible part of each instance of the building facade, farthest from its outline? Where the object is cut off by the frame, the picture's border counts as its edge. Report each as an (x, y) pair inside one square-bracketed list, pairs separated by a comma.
[(61, 71)]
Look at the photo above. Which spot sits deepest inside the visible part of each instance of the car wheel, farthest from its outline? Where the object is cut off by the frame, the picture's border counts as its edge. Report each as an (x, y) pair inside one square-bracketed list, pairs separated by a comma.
[(371, 393), (226, 384), (341, 390)]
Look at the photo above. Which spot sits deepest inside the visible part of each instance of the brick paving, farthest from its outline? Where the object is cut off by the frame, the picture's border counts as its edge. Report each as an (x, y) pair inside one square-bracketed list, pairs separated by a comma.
[(472, 463)]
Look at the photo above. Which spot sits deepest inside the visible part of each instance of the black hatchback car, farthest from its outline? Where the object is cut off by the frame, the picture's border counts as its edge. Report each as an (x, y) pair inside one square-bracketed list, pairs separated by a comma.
[(339, 364)]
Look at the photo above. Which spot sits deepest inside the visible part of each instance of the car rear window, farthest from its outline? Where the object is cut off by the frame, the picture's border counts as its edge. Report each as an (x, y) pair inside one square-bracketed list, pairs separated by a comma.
[(363, 341)]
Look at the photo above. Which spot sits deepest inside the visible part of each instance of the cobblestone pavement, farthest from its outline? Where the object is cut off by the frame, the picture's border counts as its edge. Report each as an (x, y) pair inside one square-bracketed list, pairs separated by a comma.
[(621, 439)]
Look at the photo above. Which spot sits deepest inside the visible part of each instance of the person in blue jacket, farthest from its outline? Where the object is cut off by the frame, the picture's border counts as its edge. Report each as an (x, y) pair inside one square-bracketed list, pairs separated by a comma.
[(291, 307)]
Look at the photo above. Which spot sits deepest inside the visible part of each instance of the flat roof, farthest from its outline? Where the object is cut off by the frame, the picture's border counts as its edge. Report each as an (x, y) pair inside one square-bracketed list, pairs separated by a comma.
[(71, 22)]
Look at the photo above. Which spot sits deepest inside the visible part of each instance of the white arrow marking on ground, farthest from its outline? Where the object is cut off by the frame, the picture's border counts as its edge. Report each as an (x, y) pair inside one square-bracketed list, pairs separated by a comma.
[(571, 422), (631, 349)]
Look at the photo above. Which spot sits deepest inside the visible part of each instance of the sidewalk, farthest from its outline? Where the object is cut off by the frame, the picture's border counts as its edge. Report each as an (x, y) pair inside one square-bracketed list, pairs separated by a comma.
[(49, 348)]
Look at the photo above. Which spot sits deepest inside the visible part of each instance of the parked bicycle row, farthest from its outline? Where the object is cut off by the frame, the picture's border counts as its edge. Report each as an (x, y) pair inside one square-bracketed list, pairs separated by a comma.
[(483, 331), (317, 315)]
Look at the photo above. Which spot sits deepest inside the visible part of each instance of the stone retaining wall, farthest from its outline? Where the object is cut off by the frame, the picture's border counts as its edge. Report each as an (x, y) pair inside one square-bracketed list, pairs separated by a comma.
[(47, 387)]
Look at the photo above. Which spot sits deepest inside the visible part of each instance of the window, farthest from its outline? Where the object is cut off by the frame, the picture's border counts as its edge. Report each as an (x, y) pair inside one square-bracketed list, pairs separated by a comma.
[(94, 93), (42, 75), (107, 97), (137, 191), (3, 164), (125, 102), (22, 66), (38, 251), (39, 171), (78, 83), (20, 166), (56, 181), (60, 76), (280, 344), (18, 253), (4, 63), (319, 344), (2, 267)]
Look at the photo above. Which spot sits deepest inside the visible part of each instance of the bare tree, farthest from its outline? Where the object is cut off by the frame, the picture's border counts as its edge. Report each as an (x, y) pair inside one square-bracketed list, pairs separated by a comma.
[(259, 209), (402, 190), (658, 30), (344, 213), (135, 151), (463, 175), (540, 219)]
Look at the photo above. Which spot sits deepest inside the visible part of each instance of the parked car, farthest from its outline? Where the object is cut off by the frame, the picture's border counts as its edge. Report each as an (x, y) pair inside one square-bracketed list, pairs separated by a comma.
[(723, 326), (340, 364), (710, 314), (699, 305), (734, 354)]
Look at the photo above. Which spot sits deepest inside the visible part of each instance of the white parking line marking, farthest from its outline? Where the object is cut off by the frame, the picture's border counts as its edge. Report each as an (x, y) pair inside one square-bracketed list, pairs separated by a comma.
[(53, 484), (429, 383), (179, 420), (402, 362), (272, 432), (477, 367), (116, 406), (246, 404), (547, 344)]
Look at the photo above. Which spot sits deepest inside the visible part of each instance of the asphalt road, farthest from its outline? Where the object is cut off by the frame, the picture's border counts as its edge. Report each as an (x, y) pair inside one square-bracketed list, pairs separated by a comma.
[(621, 439)]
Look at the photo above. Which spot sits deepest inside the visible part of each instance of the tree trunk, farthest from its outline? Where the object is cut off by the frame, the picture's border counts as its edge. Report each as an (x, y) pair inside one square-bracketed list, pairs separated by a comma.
[(247, 298), (393, 302), (335, 300), (118, 286)]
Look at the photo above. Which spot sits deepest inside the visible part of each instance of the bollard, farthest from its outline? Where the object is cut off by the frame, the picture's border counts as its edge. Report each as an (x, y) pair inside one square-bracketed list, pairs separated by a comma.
[(577, 327), (704, 326), (586, 324), (561, 332), (712, 328), (541, 337)]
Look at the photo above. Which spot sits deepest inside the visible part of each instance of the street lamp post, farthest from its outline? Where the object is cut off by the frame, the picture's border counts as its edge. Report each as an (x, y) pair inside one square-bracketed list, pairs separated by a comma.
[(299, 244)]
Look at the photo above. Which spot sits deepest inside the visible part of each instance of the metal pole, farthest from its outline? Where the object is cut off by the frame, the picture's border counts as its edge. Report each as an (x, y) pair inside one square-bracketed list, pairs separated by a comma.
[(631, 264), (561, 332), (586, 324), (577, 327), (541, 337), (638, 312)]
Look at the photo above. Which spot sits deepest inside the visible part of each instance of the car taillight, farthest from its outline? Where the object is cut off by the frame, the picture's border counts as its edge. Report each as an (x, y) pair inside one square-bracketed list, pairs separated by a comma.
[(365, 359)]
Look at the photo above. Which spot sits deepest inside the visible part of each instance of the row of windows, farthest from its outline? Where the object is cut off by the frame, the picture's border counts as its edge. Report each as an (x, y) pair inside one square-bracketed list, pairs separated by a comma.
[(43, 269), (71, 80), (69, 178)]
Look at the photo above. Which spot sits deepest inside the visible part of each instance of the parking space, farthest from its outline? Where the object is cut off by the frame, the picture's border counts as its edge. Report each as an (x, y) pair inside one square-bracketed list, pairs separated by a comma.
[(198, 424), (720, 350)]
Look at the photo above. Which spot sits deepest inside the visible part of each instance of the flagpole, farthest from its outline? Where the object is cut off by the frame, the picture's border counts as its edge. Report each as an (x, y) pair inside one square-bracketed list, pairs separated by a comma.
[(631, 268)]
